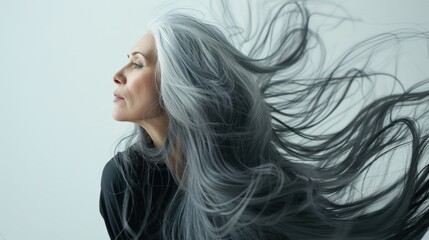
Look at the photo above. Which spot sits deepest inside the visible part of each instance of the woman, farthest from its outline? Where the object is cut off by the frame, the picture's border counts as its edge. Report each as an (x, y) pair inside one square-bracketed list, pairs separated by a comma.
[(223, 147)]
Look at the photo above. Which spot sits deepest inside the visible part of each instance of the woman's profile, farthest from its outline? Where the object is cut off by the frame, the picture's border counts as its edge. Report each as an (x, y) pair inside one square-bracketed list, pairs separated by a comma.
[(231, 144)]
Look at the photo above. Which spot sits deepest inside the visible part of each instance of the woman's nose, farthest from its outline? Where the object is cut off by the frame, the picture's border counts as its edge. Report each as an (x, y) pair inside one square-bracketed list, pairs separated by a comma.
[(119, 78)]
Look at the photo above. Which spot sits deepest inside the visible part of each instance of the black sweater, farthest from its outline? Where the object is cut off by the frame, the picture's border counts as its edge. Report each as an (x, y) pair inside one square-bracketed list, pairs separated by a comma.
[(112, 197)]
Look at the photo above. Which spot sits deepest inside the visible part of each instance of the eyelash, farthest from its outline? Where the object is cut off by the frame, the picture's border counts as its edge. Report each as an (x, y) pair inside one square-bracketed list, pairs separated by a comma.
[(136, 65)]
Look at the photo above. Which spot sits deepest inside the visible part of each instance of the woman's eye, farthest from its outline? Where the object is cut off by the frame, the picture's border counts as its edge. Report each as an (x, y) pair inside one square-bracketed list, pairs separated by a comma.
[(137, 65)]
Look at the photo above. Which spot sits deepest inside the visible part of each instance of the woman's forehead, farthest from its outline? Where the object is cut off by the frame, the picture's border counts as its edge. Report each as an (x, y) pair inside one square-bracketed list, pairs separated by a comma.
[(145, 46)]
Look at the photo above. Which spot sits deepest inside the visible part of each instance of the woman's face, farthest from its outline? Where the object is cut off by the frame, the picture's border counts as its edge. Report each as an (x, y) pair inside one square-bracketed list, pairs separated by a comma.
[(137, 95)]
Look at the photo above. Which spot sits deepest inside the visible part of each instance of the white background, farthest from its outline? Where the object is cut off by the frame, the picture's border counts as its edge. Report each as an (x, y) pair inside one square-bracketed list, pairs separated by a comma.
[(57, 59)]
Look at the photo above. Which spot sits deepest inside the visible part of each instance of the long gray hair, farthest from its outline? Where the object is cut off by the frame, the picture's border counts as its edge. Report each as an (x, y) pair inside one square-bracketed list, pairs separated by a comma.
[(252, 168)]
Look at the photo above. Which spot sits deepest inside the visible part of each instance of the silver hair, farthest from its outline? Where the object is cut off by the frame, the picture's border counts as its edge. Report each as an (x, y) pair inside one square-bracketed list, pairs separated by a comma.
[(245, 174)]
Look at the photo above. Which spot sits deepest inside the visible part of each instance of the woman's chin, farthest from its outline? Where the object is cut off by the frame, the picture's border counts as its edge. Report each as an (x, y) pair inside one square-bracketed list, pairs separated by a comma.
[(118, 117)]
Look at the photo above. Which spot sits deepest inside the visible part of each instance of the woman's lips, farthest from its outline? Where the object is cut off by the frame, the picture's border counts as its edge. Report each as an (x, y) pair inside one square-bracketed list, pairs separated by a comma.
[(116, 94), (117, 97)]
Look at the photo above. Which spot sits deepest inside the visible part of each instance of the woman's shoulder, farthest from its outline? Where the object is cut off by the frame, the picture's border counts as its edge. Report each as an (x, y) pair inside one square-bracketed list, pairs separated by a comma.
[(113, 175), (111, 178)]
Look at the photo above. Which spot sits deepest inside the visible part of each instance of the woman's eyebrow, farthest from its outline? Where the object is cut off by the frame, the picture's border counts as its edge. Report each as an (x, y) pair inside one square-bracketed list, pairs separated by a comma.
[(134, 53)]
